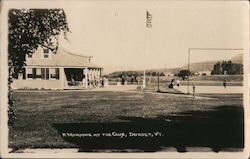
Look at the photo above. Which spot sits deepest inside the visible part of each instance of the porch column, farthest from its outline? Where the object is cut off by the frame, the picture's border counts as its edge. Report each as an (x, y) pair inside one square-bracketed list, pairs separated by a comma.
[(92, 77), (62, 77), (95, 74), (85, 72)]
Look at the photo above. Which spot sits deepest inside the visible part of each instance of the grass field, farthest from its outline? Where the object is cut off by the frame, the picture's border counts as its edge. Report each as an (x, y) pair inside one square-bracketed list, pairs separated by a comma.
[(38, 111)]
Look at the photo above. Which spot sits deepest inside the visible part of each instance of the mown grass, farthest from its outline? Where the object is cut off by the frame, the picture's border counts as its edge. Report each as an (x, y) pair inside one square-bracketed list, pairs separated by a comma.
[(37, 111)]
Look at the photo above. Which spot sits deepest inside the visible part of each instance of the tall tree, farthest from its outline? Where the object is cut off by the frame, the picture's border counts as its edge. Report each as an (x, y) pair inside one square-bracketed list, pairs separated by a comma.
[(29, 29), (217, 70), (184, 74)]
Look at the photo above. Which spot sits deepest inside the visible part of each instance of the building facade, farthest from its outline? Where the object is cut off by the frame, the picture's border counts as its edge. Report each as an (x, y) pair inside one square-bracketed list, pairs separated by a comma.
[(61, 70)]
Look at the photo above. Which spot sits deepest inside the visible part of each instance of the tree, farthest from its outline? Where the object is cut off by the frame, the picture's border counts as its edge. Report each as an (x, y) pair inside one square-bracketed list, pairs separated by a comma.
[(154, 73), (184, 74), (227, 67), (29, 29), (217, 68), (162, 74)]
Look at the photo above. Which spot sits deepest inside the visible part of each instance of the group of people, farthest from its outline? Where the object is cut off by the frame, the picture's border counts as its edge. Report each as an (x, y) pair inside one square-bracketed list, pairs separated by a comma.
[(103, 81), (171, 85), (124, 80)]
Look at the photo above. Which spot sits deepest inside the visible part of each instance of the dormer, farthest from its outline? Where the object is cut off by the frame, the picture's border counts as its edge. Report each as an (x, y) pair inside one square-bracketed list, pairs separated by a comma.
[(46, 53), (40, 53)]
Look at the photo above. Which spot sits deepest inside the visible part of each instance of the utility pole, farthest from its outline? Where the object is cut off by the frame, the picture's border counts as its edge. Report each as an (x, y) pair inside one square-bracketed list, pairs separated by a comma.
[(158, 90), (188, 69)]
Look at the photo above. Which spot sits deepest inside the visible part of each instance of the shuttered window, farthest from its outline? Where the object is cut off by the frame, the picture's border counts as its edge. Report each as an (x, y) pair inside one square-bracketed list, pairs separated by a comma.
[(34, 73), (54, 73), (45, 73), (46, 53), (57, 73), (29, 73), (38, 73)]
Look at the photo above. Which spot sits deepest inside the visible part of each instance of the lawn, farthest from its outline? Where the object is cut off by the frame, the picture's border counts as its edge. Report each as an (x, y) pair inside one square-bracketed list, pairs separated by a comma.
[(38, 112)]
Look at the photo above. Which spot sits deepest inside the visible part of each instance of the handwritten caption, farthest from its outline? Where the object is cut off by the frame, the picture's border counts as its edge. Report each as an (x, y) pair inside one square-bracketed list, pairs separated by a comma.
[(114, 134)]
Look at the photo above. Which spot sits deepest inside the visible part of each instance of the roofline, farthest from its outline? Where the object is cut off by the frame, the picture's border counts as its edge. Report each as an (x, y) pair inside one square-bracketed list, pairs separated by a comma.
[(66, 51), (79, 55), (63, 66)]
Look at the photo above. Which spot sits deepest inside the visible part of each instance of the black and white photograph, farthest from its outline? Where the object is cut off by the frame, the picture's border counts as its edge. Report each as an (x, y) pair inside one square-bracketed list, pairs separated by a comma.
[(124, 79)]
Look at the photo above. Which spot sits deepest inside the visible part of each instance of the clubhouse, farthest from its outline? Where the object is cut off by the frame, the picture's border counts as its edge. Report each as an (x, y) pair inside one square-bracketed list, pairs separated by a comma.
[(61, 70)]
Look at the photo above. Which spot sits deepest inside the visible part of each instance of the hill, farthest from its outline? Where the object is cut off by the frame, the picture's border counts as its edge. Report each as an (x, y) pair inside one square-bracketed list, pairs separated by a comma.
[(199, 66), (209, 65), (238, 59)]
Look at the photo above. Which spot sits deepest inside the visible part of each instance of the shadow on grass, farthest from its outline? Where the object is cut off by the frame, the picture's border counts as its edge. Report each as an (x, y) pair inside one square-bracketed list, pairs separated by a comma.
[(219, 128), (161, 90)]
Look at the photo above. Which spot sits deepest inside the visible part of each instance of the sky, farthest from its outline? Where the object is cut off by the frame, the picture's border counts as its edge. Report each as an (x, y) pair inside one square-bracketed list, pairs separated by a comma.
[(115, 33)]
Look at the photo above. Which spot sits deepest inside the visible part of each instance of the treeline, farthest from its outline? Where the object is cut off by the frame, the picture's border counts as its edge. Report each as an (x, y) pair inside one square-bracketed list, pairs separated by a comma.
[(227, 67), (134, 73)]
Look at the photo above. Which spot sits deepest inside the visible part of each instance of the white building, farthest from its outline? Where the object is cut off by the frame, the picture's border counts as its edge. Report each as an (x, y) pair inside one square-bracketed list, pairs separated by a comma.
[(63, 70)]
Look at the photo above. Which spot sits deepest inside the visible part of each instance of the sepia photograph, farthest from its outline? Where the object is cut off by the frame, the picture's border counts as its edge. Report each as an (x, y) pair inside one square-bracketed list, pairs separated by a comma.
[(142, 79)]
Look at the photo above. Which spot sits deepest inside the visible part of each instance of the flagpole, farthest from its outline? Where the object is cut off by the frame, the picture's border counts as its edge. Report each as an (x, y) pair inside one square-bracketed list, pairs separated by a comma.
[(148, 25), (144, 60)]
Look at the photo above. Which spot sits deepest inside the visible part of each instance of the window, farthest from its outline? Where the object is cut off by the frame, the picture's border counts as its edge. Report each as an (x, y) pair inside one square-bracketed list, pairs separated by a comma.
[(45, 73), (34, 73), (38, 73), (54, 73), (29, 73), (41, 73), (29, 55), (45, 53)]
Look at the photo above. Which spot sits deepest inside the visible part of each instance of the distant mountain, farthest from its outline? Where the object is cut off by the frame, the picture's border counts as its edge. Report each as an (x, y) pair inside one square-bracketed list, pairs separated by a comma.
[(109, 69), (238, 58), (209, 65), (199, 66), (167, 70)]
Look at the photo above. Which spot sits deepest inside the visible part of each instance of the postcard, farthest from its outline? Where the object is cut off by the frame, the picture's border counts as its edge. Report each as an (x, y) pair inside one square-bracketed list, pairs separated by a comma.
[(124, 79)]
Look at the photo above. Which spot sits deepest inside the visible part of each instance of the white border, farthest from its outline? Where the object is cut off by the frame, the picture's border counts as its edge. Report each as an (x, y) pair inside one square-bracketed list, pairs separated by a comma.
[(62, 153)]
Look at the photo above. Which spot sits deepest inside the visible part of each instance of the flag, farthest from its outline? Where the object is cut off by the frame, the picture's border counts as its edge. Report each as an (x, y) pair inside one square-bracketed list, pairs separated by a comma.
[(148, 20)]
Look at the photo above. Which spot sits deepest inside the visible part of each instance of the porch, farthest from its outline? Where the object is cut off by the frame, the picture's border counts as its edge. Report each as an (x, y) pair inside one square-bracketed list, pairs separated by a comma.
[(82, 78)]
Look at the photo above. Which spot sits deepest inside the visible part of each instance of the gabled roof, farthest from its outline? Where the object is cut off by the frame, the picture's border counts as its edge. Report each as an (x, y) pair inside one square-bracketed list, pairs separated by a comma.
[(62, 58)]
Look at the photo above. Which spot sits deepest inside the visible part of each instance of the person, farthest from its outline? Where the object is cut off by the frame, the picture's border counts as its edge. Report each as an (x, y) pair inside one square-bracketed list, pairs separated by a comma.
[(102, 81), (150, 80), (118, 81), (72, 80), (171, 85), (138, 79), (225, 83), (178, 83), (123, 79), (132, 79), (106, 82), (193, 91)]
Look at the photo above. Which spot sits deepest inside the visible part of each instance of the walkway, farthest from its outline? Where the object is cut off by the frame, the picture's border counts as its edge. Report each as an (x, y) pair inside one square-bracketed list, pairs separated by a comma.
[(212, 89)]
